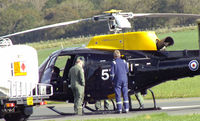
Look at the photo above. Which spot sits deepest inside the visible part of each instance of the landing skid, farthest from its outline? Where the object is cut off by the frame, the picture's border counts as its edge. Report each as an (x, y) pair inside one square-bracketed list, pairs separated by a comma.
[(93, 111), (144, 109), (154, 101), (88, 113)]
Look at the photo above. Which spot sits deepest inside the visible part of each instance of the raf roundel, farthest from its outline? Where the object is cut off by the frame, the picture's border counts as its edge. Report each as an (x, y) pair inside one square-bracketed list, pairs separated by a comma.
[(193, 65)]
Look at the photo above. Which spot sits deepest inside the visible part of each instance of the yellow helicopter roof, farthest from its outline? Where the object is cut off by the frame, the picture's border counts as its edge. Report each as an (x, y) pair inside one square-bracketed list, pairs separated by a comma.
[(113, 11), (125, 41)]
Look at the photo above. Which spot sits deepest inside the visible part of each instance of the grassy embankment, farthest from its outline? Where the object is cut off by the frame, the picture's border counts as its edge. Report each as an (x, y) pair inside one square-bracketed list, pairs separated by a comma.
[(154, 117), (184, 39)]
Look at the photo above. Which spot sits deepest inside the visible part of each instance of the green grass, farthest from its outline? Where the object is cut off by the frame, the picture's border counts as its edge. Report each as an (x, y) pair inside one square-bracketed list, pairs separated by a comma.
[(60, 43), (46, 48), (184, 39), (44, 53), (150, 117), (154, 117), (186, 87)]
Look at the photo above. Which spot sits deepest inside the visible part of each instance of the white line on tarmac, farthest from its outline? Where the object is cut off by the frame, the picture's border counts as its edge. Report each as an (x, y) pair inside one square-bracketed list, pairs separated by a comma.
[(180, 107)]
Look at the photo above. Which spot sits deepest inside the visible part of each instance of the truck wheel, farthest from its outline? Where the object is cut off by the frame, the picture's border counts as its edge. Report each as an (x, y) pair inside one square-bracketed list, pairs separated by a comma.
[(23, 114), (16, 117)]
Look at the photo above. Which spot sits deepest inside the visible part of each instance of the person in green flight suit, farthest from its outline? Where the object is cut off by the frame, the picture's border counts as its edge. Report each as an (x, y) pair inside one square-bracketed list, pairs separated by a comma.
[(140, 100), (98, 105), (77, 79)]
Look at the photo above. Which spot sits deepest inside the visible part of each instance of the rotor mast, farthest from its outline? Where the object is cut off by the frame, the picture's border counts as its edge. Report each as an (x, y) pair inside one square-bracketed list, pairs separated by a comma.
[(116, 20)]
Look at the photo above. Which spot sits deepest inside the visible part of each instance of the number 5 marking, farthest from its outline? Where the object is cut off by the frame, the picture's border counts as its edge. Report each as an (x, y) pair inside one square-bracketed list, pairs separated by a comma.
[(104, 74)]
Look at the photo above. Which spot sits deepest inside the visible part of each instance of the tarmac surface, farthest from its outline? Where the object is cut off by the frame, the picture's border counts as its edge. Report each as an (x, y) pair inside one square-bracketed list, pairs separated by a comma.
[(178, 106)]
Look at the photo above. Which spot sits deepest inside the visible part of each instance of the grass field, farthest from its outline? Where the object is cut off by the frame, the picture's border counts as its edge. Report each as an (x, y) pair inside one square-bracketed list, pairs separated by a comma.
[(151, 117), (154, 117), (185, 39)]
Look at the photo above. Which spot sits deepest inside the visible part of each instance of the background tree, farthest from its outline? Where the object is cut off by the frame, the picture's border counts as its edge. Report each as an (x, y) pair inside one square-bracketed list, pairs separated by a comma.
[(19, 15)]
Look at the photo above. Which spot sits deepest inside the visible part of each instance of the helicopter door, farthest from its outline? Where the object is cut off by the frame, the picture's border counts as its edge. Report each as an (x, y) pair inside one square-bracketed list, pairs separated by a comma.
[(68, 64), (65, 80), (98, 79)]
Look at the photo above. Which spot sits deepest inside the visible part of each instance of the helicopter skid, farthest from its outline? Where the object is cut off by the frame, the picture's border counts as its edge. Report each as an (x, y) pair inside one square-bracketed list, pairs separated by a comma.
[(94, 112), (146, 109)]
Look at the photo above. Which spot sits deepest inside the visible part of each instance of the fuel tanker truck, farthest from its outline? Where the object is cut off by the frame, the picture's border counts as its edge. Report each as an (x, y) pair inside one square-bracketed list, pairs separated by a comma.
[(19, 87)]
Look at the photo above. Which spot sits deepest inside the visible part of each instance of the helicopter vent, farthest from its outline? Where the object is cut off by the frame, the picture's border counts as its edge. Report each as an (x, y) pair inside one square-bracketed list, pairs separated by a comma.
[(4, 42)]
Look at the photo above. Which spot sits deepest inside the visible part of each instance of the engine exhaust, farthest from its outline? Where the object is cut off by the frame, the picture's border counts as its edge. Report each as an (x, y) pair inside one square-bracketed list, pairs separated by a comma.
[(161, 44)]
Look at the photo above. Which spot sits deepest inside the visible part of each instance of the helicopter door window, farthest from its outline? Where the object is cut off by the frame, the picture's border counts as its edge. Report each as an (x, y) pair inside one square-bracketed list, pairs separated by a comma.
[(48, 71), (51, 63), (61, 63), (57, 71)]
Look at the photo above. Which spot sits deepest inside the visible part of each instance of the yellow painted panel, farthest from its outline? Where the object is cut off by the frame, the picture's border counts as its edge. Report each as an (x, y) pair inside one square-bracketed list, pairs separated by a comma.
[(111, 96), (140, 41), (29, 100), (19, 70), (108, 42), (125, 41)]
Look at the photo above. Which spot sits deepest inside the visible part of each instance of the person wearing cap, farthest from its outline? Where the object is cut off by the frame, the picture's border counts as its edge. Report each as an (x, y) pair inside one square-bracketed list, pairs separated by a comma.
[(77, 79), (119, 70)]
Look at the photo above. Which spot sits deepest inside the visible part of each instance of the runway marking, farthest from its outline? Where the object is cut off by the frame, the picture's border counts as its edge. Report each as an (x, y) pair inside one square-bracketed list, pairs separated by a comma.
[(180, 107)]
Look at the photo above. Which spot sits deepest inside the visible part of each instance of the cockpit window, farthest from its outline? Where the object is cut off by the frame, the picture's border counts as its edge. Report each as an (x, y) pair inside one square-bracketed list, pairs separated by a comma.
[(61, 62)]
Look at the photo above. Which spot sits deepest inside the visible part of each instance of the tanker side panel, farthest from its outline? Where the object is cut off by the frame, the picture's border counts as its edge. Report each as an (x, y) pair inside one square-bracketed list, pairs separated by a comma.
[(19, 68)]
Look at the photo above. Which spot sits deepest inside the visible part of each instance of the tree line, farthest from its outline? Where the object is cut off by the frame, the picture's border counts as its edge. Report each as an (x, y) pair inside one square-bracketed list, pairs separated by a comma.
[(19, 15)]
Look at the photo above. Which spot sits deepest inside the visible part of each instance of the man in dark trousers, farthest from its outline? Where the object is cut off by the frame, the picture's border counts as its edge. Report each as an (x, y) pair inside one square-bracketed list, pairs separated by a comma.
[(77, 79), (119, 70)]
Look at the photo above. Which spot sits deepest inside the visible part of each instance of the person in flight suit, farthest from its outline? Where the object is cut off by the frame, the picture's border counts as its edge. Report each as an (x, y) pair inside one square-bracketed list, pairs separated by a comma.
[(76, 76), (140, 100), (98, 105), (119, 70)]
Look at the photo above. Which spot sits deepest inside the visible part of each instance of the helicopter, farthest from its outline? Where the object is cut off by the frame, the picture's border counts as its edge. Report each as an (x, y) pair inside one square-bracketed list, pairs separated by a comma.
[(148, 64)]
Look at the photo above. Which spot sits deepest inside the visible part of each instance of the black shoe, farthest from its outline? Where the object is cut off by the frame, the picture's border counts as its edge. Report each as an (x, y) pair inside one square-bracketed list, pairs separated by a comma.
[(126, 111), (118, 112), (141, 107)]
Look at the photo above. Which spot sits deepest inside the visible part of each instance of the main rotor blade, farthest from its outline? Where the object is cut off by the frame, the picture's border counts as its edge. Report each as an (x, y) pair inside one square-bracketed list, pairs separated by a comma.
[(47, 27), (140, 15)]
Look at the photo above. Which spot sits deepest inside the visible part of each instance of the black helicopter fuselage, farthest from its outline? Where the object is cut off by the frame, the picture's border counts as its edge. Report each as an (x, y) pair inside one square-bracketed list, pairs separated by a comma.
[(146, 69)]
